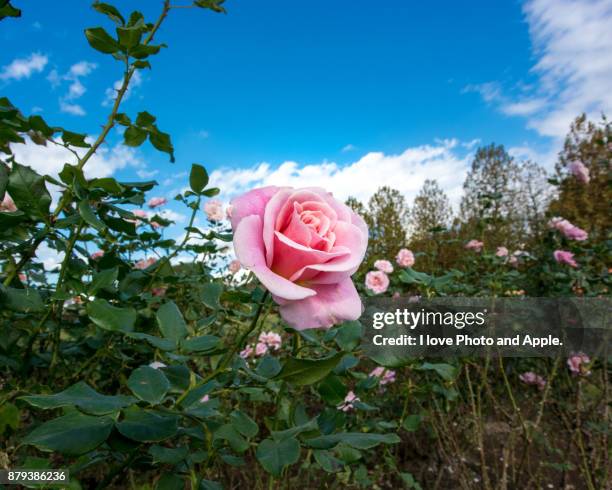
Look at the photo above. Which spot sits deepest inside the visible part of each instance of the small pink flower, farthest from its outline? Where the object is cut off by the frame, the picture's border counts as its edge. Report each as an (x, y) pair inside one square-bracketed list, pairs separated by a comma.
[(141, 214), (157, 365), (270, 339), (531, 378), (156, 202), (569, 230), (565, 257), (159, 291), (377, 281), (204, 399), (261, 349), (577, 364), (145, 263), (405, 258), (22, 277), (580, 171), (97, 255), (234, 266), (501, 252), (348, 402), (246, 352), (474, 245), (7, 204), (385, 376), (384, 266), (214, 210), (396, 295)]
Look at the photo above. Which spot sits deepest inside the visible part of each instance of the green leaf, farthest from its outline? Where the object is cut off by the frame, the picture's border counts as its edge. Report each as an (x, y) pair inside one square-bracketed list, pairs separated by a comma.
[(170, 482), (149, 384), (211, 293), (146, 120), (268, 367), (244, 424), (168, 455), (7, 10), (160, 343), (83, 396), (198, 178), (446, 371), (332, 390), (90, 217), (326, 461), (100, 40), (162, 142), (110, 11), (9, 417), (412, 422), (214, 5), (171, 322), (129, 36), (302, 372), (3, 180), (21, 300), (199, 344), (275, 455), (349, 335), (29, 192), (111, 317), (358, 440), (142, 51), (228, 433), (147, 426), (74, 139), (37, 123), (134, 136), (71, 434)]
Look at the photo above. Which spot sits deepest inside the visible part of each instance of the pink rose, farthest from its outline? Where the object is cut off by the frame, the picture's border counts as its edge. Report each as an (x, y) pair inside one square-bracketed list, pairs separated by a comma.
[(159, 291), (261, 349), (270, 339), (377, 281), (384, 266), (580, 171), (531, 378), (246, 352), (145, 263), (576, 364), (214, 210), (97, 255), (565, 257), (501, 252), (474, 245), (304, 246), (234, 266), (156, 202), (569, 230), (386, 376), (348, 403), (7, 204), (405, 258)]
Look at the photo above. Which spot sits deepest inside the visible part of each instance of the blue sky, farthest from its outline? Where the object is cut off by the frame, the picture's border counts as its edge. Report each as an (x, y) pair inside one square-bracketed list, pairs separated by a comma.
[(346, 94)]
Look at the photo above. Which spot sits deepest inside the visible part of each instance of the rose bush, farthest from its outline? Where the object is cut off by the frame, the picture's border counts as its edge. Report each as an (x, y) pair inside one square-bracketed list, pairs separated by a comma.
[(304, 246)]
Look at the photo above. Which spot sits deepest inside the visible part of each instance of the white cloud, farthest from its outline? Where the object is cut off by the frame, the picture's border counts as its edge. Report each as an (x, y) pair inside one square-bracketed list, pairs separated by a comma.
[(172, 215), (50, 159), (405, 172), (572, 42), (143, 173), (24, 67), (111, 93), (81, 69), (74, 109), (76, 89), (347, 148)]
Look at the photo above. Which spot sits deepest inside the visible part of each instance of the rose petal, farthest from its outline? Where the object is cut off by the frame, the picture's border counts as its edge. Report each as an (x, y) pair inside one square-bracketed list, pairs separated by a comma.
[(249, 248), (253, 202), (332, 304), (269, 220)]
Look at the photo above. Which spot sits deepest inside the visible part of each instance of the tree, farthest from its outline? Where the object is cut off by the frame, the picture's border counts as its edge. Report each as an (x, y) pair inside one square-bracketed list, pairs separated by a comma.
[(431, 210), (586, 204)]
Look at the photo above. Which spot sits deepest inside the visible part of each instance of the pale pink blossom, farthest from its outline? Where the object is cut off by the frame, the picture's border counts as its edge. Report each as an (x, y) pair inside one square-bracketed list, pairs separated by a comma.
[(157, 365), (580, 171), (22, 277), (261, 349), (501, 252), (234, 266), (531, 378), (565, 257), (303, 245), (214, 210), (386, 376), (384, 266), (7, 204), (141, 214), (578, 364), (145, 263), (474, 245), (204, 399), (155, 202), (569, 230), (270, 339), (246, 352), (405, 258), (348, 403), (159, 291), (97, 254), (396, 295), (377, 281)]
